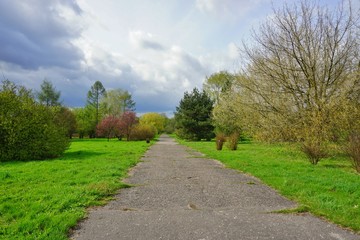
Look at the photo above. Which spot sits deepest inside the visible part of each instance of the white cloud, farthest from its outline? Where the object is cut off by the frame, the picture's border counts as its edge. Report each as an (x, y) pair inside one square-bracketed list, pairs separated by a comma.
[(206, 5), (233, 51), (144, 40), (156, 50), (231, 9)]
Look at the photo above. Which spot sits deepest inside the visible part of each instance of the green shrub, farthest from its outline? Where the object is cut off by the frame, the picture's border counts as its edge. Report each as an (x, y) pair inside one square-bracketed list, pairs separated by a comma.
[(143, 132), (28, 129)]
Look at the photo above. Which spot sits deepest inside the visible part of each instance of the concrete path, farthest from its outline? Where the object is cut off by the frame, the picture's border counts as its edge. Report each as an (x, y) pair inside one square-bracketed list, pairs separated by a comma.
[(179, 195)]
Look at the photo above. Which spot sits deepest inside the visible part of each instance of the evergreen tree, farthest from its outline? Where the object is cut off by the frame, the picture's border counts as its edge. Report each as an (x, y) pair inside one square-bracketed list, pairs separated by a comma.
[(48, 95), (193, 116), (94, 96)]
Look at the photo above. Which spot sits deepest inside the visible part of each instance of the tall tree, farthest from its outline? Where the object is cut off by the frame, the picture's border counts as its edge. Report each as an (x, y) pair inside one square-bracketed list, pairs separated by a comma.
[(302, 65), (217, 84), (193, 116), (94, 96), (128, 103), (48, 95), (118, 101)]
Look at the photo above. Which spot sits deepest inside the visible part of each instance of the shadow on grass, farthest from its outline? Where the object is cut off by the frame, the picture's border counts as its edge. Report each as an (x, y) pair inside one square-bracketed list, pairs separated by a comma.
[(329, 165), (79, 155)]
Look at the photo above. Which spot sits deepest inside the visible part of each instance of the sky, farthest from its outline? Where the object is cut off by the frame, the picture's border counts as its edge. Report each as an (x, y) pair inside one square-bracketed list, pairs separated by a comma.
[(155, 49)]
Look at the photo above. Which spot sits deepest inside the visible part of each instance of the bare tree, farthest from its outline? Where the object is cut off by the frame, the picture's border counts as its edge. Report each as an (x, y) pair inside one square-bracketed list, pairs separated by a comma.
[(302, 64)]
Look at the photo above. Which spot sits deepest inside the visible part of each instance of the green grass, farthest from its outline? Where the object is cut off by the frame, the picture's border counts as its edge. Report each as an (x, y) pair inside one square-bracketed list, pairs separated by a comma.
[(330, 189), (44, 199)]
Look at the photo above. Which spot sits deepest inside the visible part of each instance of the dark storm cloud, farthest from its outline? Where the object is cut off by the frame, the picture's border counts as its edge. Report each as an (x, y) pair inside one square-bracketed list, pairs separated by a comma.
[(36, 34)]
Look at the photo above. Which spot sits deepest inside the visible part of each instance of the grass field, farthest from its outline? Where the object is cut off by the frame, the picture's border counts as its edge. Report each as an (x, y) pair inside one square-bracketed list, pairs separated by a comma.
[(330, 189), (44, 199)]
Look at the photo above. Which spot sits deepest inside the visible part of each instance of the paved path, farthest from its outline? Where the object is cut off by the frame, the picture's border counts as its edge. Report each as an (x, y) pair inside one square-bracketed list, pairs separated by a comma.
[(179, 195)]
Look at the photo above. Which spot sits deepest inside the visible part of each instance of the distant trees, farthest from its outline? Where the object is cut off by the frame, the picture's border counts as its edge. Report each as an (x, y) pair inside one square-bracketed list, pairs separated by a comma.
[(193, 116), (84, 121), (65, 118), (48, 95), (154, 119), (117, 101), (28, 130), (102, 110)]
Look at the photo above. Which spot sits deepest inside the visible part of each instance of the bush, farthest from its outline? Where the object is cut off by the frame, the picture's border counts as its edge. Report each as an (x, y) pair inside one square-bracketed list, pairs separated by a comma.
[(354, 151), (220, 139), (108, 127), (314, 151), (143, 132), (233, 140), (28, 130)]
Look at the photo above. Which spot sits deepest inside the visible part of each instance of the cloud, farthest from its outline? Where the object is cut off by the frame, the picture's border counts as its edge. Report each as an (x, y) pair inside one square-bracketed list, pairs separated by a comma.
[(39, 33), (169, 54), (233, 51), (231, 9), (143, 40)]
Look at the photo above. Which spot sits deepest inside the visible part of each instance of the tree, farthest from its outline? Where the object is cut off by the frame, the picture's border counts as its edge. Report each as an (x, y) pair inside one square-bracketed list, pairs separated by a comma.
[(170, 125), (301, 69), (65, 118), (85, 121), (118, 101), (109, 127), (193, 116), (217, 84), (94, 96), (127, 121), (154, 119), (28, 129), (48, 95), (128, 102)]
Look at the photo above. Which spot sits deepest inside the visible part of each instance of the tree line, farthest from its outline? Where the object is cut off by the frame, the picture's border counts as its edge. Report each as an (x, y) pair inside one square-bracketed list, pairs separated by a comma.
[(36, 125), (300, 82)]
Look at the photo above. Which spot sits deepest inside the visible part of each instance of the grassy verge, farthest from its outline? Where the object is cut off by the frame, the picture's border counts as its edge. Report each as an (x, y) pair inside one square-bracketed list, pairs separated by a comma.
[(44, 199), (330, 189)]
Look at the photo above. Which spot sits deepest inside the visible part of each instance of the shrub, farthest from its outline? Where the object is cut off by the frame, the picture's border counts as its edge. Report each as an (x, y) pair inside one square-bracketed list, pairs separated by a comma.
[(220, 139), (354, 151), (143, 132), (314, 150), (28, 130), (108, 127), (233, 141)]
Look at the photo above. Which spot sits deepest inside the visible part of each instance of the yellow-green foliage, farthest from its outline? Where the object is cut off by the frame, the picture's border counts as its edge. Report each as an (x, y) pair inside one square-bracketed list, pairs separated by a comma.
[(154, 119)]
